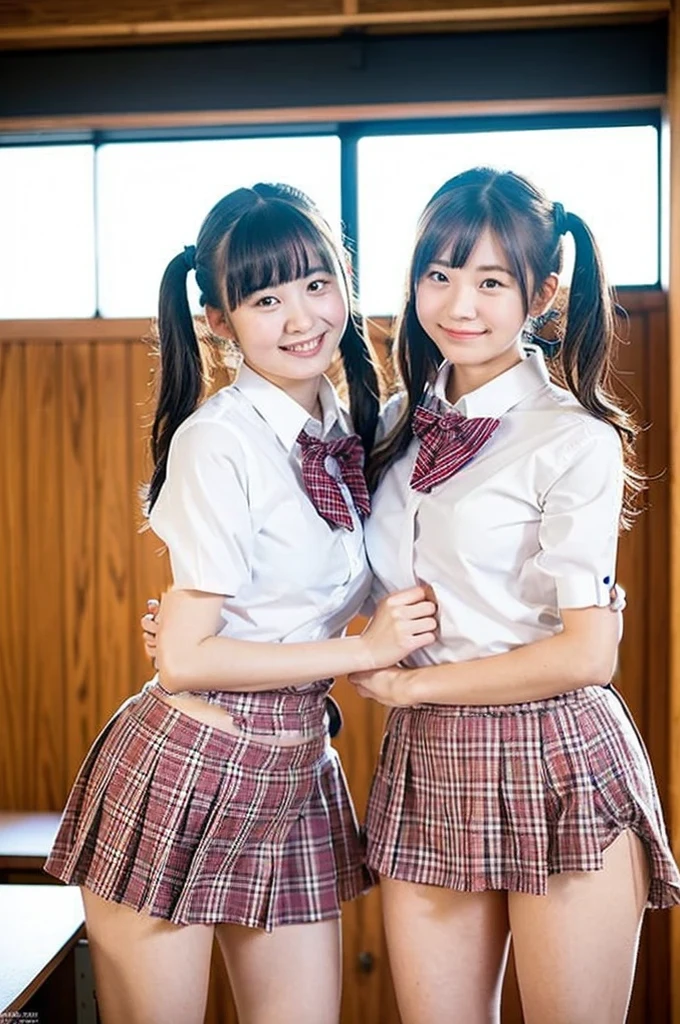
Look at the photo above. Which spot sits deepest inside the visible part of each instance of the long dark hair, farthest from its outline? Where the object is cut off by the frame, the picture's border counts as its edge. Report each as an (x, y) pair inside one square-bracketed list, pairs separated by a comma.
[(253, 238), (529, 228)]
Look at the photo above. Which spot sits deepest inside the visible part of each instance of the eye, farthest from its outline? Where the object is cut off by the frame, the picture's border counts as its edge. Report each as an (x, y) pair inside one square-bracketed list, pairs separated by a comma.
[(267, 301), (491, 284), (438, 277), (318, 284)]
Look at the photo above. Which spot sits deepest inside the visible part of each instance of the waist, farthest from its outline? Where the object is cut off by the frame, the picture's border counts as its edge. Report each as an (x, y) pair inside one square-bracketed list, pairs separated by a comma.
[(286, 717)]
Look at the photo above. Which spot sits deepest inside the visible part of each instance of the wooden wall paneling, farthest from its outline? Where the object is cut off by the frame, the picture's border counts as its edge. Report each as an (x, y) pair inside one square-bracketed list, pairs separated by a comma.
[(674, 453), (631, 371), (15, 760), (150, 566), (79, 511), (114, 526), (45, 682), (656, 581)]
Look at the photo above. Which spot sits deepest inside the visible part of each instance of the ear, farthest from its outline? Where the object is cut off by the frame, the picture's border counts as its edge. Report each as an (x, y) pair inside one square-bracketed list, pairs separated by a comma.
[(545, 296), (218, 323)]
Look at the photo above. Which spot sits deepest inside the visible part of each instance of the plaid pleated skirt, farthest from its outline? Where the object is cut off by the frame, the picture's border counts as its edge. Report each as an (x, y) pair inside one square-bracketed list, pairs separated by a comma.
[(502, 797), (186, 822)]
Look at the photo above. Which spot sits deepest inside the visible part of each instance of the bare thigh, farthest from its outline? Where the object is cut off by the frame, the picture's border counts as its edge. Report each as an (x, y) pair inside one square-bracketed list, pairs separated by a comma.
[(292, 975), (575, 949), (147, 970), (448, 952)]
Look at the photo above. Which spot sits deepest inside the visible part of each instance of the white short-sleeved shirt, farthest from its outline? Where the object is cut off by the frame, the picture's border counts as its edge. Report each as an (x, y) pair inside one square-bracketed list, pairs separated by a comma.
[(237, 520), (529, 526)]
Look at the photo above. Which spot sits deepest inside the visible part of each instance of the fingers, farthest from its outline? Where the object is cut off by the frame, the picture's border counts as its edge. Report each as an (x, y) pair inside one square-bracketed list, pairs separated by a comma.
[(418, 611), (422, 640), (406, 597)]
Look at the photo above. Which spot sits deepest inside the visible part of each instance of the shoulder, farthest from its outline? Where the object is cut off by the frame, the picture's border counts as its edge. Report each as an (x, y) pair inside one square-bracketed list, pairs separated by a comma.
[(570, 429), (217, 429)]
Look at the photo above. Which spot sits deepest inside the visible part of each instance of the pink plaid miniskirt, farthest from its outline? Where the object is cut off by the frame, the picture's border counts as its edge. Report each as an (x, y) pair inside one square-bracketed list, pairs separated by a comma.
[(189, 823), (502, 797)]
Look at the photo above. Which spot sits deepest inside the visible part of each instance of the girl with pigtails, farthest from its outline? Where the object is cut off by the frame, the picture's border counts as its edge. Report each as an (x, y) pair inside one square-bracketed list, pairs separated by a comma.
[(513, 796), (212, 804)]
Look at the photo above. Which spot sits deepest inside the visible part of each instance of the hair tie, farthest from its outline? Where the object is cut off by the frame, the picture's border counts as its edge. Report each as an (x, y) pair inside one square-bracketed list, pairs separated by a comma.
[(560, 217), (190, 257)]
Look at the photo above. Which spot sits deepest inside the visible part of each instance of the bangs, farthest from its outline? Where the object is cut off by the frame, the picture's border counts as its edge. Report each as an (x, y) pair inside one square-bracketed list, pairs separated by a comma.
[(273, 244), (451, 229)]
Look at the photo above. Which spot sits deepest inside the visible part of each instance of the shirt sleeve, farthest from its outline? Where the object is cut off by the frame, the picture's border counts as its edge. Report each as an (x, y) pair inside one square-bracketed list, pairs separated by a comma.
[(202, 513), (578, 535)]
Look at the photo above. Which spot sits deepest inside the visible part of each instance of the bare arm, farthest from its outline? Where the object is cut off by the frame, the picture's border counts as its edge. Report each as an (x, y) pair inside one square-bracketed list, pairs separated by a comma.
[(583, 654), (191, 657)]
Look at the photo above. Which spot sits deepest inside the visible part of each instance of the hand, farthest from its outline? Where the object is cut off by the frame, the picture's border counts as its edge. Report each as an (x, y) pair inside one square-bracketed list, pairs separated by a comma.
[(403, 622), (389, 686), (150, 625), (617, 598)]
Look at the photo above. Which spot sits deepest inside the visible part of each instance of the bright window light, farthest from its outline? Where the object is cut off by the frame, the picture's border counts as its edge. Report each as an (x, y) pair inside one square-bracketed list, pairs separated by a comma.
[(47, 257), (608, 176), (152, 197)]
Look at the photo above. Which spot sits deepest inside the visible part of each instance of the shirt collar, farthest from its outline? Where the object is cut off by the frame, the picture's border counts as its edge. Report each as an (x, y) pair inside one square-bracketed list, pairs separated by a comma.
[(503, 392), (284, 415)]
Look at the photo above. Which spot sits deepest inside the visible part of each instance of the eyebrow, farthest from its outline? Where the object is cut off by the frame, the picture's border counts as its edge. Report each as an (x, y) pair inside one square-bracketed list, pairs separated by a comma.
[(484, 268)]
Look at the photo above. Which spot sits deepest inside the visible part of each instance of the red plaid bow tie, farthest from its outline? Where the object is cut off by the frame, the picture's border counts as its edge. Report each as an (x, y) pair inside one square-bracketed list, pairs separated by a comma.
[(447, 442), (323, 488)]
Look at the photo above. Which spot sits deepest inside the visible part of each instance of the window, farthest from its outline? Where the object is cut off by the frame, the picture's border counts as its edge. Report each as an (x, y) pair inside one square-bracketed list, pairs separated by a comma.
[(152, 197), (89, 228), (609, 176), (47, 257)]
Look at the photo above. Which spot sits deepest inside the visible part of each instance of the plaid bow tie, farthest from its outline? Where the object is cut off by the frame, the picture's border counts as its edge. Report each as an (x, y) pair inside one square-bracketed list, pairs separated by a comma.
[(323, 488), (447, 442)]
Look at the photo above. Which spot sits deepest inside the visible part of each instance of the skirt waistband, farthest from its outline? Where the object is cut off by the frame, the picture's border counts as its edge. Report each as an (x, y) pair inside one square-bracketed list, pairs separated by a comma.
[(585, 697), (184, 733)]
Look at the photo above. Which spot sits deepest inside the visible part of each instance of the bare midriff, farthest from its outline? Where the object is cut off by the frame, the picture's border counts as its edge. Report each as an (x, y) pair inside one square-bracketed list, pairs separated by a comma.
[(216, 717)]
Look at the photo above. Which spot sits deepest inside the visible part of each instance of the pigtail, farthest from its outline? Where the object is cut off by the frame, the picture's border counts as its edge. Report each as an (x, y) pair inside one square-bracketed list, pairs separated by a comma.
[(363, 386), (181, 368), (417, 359), (587, 352)]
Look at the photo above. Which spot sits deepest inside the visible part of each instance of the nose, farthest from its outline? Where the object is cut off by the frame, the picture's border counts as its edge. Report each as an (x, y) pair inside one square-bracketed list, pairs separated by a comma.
[(299, 319), (462, 302)]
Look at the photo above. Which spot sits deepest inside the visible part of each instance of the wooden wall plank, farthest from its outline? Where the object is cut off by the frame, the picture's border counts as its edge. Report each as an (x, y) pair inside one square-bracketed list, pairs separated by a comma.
[(14, 764), (45, 682), (79, 511), (673, 369), (150, 565), (114, 526)]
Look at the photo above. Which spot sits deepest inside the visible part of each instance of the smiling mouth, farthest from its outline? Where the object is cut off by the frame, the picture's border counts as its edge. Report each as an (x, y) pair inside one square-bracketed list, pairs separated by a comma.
[(453, 333), (305, 348)]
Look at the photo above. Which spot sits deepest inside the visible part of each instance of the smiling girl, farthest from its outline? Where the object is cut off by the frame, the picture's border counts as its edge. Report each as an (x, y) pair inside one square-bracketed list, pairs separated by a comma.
[(513, 795), (212, 804)]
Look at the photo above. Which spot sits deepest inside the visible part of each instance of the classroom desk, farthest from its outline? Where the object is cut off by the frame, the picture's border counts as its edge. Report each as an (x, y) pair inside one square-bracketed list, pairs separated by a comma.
[(40, 926), (25, 840)]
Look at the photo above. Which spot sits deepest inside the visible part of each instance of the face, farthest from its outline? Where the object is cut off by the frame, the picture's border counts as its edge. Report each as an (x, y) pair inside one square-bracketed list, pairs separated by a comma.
[(289, 333), (474, 314)]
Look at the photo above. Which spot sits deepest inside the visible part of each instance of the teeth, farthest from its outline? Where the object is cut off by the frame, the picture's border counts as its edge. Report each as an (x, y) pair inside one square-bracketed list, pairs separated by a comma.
[(304, 346)]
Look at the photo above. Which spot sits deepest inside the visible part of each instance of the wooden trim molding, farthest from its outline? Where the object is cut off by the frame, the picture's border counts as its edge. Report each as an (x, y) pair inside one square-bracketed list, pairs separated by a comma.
[(471, 15), (332, 115)]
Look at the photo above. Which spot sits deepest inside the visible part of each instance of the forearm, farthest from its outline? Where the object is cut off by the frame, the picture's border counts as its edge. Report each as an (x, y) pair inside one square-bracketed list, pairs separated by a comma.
[(535, 671), (221, 663)]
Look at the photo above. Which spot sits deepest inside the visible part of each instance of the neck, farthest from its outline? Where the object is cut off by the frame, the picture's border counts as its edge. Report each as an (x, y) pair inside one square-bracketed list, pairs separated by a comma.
[(304, 392), (464, 379)]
